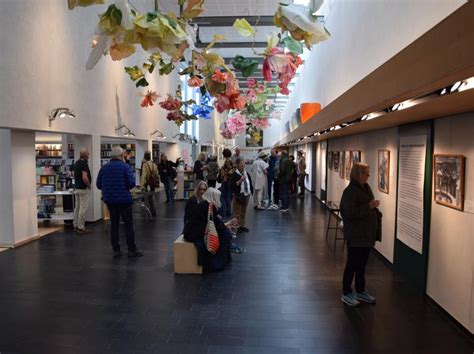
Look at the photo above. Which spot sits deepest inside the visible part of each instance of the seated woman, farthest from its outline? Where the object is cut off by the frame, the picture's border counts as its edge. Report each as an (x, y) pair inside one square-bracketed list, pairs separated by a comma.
[(192, 202), (195, 228)]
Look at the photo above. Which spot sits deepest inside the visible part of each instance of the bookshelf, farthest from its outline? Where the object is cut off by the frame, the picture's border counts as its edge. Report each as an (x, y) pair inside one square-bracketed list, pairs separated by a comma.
[(106, 152), (48, 150), (185, 185)]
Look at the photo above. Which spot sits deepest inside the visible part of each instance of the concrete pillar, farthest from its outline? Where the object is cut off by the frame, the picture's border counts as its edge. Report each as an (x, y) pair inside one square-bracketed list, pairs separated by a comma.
[(6, 192), (24, 185)]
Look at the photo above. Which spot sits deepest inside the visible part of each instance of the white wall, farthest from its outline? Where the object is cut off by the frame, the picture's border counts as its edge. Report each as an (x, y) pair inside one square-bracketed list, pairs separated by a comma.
[(365, 34), (45, 68), (451, 258), (369, 144), (23, 169)]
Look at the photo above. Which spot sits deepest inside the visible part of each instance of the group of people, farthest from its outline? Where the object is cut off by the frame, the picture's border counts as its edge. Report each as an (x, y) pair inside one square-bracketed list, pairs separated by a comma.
[(359, 209)]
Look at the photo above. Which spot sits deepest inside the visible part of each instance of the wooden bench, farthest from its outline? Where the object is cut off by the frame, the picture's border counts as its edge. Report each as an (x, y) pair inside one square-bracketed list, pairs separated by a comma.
[(185, 257)]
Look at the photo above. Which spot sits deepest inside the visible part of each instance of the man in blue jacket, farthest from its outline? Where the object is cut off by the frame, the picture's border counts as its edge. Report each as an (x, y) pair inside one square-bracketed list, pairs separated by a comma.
[(115, 179)]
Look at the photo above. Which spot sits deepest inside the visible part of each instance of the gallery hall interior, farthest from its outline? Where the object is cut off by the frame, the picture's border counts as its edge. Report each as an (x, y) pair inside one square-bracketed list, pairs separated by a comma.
[(237, 177)]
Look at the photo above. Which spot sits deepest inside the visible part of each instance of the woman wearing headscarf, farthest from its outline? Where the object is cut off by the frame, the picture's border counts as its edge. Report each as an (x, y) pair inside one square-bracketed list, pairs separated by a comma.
[(195, 228), (361, 227)]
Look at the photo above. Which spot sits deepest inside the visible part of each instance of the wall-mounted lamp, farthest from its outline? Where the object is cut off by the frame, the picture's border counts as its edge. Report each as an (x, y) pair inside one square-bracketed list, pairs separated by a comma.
[(60, 112), (127, 132), (159, 134)]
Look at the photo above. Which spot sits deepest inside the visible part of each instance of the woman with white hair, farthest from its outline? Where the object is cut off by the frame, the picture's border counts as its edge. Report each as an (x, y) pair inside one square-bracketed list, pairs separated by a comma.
[(195, 228)]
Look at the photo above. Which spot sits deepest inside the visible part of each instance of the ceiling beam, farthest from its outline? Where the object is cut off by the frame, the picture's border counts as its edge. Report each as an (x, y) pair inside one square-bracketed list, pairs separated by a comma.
[(228, 21), (233, 45)]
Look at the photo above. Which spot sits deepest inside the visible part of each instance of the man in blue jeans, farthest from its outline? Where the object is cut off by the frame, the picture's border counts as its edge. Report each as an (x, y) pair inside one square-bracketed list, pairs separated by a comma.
[(115, 179)]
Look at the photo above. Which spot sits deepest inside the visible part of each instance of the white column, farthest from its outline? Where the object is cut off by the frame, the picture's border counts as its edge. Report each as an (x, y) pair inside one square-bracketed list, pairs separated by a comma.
[(140, 147), (6, 192), (23, 163)]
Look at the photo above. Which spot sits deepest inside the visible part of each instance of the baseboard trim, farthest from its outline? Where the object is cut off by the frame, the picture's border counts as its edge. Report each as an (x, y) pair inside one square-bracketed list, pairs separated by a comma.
[(458, 325), (28, 240)]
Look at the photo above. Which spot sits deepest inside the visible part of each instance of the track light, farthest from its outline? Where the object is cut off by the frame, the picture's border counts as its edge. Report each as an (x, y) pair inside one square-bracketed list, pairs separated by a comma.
[(60, 112), (127, 132), (159, 134), (456, 86)]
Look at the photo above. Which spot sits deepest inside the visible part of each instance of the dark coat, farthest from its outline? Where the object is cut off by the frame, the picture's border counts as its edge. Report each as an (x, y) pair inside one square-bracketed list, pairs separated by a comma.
[(284, 174), (360, 222), (234, 188), (194, 232), (115, 179), (191, 203), (167, 169)]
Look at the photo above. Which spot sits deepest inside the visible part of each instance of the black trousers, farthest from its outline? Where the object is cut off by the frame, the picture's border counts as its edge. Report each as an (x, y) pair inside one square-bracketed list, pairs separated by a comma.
[(124, 211), (357, 258)]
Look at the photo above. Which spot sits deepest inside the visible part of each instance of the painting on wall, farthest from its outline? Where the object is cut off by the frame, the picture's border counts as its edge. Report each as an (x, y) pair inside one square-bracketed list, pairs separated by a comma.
[(347, 164), (335, 161), (342, 164), (330, 160), (253, 137), (449, 180), (383, 170), (355, 157)]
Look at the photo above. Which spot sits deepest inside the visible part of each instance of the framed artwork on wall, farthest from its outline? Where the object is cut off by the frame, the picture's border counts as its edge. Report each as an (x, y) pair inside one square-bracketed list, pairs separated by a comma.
[(330, 160), (355, 157), (449, 180), (335, 161), (383, 171), (347, 164), (342, 164)]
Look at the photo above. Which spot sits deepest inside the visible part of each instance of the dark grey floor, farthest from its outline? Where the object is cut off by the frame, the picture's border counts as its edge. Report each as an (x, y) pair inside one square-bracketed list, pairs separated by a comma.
[(65, 294)]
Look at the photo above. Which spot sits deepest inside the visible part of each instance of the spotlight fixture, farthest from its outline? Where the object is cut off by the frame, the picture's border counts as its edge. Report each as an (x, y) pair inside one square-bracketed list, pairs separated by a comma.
[(60, 112), (456, 86), (127, 132), (159, 134)]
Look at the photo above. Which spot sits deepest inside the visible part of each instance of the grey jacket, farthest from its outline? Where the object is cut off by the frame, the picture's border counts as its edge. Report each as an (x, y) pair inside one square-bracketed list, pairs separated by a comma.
[(360, 222)]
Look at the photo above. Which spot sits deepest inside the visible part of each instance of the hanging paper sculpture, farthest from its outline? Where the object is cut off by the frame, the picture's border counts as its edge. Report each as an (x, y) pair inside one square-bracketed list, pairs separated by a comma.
[(169, 39)]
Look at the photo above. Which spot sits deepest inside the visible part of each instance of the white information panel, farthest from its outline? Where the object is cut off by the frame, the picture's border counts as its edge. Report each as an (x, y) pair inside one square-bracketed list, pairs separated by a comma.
[(412, 157)]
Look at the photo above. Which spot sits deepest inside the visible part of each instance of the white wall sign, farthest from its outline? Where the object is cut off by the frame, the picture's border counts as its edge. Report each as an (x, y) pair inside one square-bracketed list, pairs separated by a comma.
[(412, 154)]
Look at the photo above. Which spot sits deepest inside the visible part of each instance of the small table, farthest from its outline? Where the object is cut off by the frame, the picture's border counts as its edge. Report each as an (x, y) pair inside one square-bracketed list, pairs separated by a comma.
[(334, 213)]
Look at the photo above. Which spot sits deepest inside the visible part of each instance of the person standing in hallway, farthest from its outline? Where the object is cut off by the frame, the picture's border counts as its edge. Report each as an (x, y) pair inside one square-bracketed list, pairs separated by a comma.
[(301, 171), (284, 178), (115, 179), (212, 171), (199, 168), (259, 176), (82, 192), (241, 188), (270, 173), (226, 170), (236, 156), (168, 173), (149, 180), (361, 225), (294, 175)]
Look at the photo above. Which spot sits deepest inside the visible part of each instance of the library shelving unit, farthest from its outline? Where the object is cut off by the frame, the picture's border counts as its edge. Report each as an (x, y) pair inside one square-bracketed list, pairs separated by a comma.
[(48, 150), (106, 151), (155, 153), (54, 182), (185, 185)]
